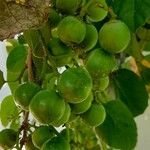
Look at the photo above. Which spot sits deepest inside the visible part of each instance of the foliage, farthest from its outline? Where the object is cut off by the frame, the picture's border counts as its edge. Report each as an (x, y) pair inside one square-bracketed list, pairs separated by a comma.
[(84, 69)]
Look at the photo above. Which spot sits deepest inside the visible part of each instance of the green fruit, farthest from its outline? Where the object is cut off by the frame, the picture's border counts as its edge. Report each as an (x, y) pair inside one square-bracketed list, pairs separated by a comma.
[(47, 106), (68, 6), (8, 138), (64, 118), (100, 63), (97, 10), (143, 33), (103, 83), (53, 18), (75, 85), (29, 145), (24, 93), (114, 36), (61, 54), (71, 30), (41, 135), (82, 107), (57, 143), (91, 37), (95, 115)]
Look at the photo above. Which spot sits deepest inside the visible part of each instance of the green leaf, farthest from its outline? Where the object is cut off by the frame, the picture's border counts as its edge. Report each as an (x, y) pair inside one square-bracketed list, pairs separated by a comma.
[(16, 60), (15, 124), (133, 12), (8, 110), (12, 81), (2, 81), (119, 128), (34, 40), (131, 90)]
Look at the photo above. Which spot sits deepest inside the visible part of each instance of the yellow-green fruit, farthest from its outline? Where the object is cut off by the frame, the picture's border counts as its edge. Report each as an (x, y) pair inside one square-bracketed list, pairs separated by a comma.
[(24, 93), (61, 54), (103, 83), (8, 138), (71, 30), (114, 36), (75, 84), (68, 6), (47, 106), (57, 143), (97, 10), (95, 115), (64, 118), (143, 33), (41, 135), (100, 63), (29, 145), (82, 107), (91, 37)]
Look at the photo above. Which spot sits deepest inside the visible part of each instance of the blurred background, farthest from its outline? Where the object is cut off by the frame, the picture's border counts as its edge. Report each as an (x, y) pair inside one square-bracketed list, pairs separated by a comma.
[(143, 121)]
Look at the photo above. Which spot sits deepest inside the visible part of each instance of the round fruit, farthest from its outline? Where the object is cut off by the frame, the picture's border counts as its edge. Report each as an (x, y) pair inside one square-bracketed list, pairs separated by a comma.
[(61, 54), (75, 84), (29, 145), (64, 118), (24, 93), (143, 33), (95, 115), (47, 106), (41, 135), (91, 37), (97, 10), (56, 143), (68, 6), (114, 36), (100, 63), (71, 30), (103, 83), (82, 107), (8, 138)]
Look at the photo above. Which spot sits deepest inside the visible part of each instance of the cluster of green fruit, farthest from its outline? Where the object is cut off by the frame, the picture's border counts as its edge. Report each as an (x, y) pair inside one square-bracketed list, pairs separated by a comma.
[(86, 47)]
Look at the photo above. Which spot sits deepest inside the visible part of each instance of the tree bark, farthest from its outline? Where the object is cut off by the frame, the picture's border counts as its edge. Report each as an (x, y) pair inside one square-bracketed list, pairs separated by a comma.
[(19, 15)]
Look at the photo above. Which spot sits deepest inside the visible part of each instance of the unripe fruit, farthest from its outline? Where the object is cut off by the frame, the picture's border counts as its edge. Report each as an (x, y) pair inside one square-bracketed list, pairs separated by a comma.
[(41, 135), (97, 10), (47, 106), (91, 37), (68, 6), (57, 143), (95, 115), (24, 93), (64, 118), (82, 107), (53, 18), (114, 36), (75, 84), (71, 30), (29, 145), (100, 63), (143, 33), (8, 138), (61, 53), (103, 83)]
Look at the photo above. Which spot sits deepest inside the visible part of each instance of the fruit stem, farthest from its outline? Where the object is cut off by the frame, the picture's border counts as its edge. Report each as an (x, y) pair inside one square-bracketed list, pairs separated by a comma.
[(24, 127), (112, 14)]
